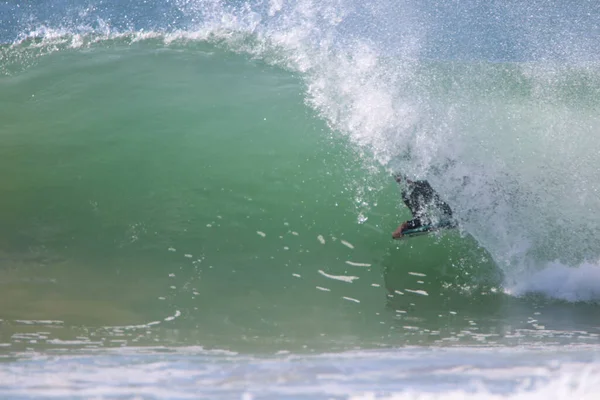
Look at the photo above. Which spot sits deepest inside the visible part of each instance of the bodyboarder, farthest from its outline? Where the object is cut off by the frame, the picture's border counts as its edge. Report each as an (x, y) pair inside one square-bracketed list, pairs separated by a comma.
[(428, 209)]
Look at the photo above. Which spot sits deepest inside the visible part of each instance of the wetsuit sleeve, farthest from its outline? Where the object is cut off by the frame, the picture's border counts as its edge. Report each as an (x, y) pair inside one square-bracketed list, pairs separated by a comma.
[(413, 224), (428, 195)]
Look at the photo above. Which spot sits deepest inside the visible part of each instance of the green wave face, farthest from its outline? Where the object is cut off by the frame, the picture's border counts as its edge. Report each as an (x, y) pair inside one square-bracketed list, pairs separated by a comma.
[(184, 193)]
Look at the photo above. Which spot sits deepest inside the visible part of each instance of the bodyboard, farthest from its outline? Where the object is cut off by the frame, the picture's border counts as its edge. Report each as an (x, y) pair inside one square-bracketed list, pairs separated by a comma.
[(426, 229)]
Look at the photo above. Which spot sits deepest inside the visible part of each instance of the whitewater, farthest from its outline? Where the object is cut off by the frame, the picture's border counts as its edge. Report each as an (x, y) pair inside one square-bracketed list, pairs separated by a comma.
[(197, 199)]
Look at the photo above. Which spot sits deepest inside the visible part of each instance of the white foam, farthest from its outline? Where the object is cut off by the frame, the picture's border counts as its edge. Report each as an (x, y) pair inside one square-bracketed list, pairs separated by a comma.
[(356, 264), (556, 280), (172, 317), (347, 244), (39, 322), (421, 292), (571, 382), (342, 278), (351, 299)]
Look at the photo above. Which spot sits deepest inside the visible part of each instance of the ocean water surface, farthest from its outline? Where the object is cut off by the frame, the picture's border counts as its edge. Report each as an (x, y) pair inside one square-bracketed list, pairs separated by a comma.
[(196, 199)]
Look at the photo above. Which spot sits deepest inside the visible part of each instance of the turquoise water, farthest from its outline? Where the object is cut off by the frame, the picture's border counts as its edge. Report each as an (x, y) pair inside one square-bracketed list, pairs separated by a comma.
[(203, 190)]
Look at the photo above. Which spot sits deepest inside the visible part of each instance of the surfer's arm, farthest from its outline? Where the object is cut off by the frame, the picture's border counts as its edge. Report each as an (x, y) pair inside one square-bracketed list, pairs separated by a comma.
[(411, 224), (398, 232)]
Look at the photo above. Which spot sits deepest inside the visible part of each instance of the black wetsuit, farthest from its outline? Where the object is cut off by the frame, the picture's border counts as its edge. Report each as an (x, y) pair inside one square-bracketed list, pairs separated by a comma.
[(420, 198)]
